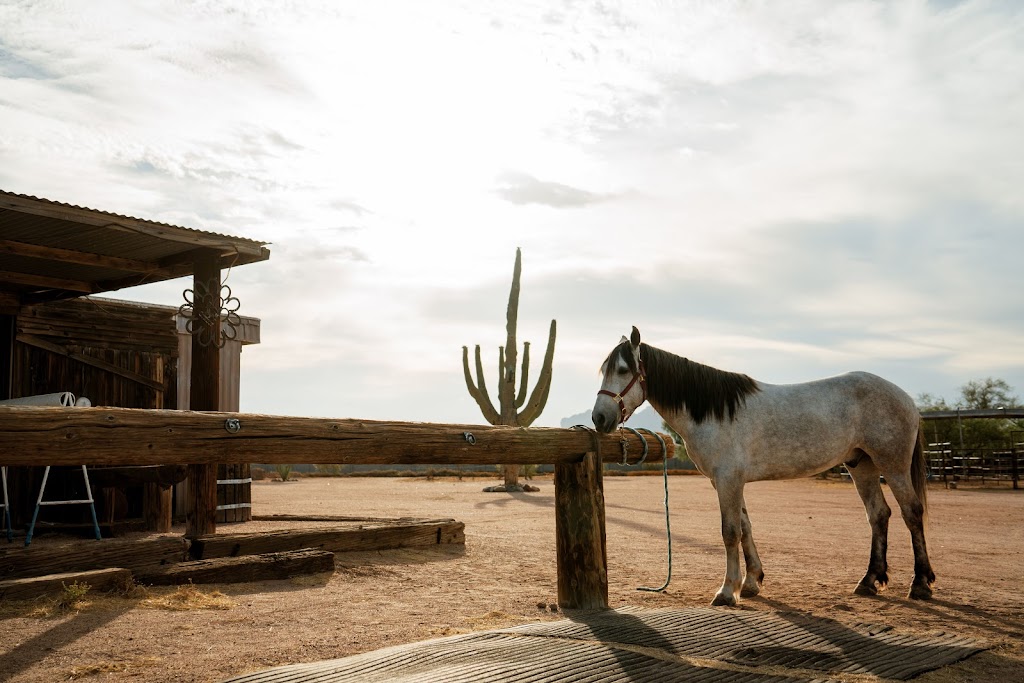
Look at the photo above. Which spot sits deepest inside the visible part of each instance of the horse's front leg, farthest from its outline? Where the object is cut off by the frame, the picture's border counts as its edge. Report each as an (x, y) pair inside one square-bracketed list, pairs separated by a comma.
[(755, 573), (730, 502)]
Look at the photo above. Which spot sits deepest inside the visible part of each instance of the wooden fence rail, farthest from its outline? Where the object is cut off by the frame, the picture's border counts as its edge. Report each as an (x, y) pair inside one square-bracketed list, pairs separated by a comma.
[(31, 435)]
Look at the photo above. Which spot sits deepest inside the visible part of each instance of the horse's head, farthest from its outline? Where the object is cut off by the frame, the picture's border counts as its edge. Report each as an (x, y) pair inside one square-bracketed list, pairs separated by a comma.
[(624, 387)]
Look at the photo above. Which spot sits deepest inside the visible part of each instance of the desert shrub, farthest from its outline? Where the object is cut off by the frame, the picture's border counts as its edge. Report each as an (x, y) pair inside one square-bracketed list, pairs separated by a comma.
[(72, 595), (258, 473), (283, 471), (331, 470)]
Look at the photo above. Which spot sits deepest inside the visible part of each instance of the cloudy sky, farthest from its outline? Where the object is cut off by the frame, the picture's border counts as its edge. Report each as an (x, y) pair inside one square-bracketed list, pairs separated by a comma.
[(787, 189)]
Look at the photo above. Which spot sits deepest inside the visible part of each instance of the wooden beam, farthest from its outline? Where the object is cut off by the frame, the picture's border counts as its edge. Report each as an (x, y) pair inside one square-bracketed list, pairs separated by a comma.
[(580, 551), (156, 507), (35, 586), (38, 435), (138, 554), (1006, 413), (201, 508), (45, 282), (10, 303), (338, 539), (80, 257), (52, 347), (170, 267), (264, 567)]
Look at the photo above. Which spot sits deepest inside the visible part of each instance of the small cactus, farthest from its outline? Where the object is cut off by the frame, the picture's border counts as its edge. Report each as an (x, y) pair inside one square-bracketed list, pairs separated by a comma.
[(509, 400)]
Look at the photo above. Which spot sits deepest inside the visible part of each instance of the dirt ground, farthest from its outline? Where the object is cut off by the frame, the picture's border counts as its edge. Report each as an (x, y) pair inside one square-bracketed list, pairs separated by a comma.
[(812, 535)]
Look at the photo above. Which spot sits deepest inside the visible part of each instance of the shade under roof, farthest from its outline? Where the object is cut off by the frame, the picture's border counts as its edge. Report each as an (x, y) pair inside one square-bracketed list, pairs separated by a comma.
[(50, 250)]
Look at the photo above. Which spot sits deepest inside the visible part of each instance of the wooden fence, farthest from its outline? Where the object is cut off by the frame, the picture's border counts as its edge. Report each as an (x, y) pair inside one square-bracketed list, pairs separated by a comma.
[(32, 435), (982, 464)]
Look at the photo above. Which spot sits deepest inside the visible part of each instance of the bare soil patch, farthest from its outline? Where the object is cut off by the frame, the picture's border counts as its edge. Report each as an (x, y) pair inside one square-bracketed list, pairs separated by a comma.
[(812, 535)]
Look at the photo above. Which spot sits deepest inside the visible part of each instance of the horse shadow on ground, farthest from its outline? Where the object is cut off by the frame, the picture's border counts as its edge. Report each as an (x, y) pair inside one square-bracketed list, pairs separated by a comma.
[(855, 649), (787, 638), (626, 635), (974, 616)]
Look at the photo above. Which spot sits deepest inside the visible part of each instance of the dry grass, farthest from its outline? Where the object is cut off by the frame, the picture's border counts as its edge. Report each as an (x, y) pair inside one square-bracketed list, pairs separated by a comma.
[(188, 597), (132, 667), (496, 619)]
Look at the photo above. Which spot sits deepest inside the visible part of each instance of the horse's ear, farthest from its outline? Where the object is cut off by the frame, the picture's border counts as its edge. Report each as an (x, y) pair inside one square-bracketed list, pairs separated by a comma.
[(623, 340), (634, 338)]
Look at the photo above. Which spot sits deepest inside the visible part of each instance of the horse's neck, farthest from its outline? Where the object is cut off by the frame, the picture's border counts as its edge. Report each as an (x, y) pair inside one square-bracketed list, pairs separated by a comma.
[(678, 419)]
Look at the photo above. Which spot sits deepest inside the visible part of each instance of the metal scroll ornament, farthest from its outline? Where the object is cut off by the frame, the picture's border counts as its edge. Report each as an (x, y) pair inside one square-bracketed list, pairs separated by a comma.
[(201, 324)]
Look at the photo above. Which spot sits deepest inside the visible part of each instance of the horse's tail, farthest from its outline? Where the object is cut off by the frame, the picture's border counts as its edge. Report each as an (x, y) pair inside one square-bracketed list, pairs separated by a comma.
[(919, 470)]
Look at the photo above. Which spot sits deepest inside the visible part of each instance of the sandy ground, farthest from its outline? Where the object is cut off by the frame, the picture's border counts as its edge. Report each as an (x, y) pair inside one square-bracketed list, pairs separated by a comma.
[(812, 535)]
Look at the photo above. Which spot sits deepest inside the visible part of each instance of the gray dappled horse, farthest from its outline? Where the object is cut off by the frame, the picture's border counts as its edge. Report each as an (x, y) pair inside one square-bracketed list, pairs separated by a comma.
[(737, 429)]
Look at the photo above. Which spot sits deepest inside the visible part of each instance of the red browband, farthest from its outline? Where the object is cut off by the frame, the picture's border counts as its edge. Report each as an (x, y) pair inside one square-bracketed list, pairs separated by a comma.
[(638, 376)]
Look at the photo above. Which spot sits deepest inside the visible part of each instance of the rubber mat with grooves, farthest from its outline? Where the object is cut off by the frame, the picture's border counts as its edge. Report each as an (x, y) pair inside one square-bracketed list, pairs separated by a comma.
[(492, 657), (756, 638), (645, 646)]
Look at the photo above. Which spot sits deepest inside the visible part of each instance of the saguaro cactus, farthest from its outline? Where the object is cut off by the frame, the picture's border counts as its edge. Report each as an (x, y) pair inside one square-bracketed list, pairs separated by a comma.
[(509, 401)]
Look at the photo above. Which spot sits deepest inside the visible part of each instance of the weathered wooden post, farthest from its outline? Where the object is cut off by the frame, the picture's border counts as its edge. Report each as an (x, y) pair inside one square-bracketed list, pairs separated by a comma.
[(156, 507), (581, 553), (158, 498), (201, 510)]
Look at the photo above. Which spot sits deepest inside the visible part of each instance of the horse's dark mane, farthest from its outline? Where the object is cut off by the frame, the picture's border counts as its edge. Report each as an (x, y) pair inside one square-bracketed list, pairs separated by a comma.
[(674, 382)]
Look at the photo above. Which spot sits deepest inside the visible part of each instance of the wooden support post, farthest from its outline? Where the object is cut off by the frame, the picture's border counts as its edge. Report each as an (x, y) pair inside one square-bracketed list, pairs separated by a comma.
[(1015, 474), (580, 535), (201, 509), (156, 507)]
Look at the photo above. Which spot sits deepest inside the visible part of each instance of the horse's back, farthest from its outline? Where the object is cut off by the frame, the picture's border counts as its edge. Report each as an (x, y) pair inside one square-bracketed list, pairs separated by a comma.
[(798, 429), (849, 394)]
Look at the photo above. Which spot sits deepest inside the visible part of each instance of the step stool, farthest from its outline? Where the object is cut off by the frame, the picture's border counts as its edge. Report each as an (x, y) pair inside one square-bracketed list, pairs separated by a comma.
[(40, 502)]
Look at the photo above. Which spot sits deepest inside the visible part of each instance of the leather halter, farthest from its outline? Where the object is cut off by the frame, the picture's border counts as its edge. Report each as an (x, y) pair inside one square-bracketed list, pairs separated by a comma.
[(638, 376)]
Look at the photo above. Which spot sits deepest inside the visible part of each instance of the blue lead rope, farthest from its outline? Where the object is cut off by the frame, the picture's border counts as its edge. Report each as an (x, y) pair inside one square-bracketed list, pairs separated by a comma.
[(668, 524)]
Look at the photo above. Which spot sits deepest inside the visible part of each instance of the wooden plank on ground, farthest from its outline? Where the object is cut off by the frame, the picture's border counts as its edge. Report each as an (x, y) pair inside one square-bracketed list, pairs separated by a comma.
[(349, 518), (263, 567), (132, 554), (349, 538), (33, 587)]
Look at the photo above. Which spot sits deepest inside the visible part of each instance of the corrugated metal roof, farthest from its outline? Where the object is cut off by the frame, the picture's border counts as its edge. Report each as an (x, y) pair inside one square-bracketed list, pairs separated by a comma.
[(52, 250), (98, 212)]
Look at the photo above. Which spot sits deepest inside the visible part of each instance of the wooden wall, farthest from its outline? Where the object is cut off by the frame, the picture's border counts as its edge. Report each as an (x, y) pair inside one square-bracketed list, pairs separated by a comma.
[(119, 354), (114, 353)]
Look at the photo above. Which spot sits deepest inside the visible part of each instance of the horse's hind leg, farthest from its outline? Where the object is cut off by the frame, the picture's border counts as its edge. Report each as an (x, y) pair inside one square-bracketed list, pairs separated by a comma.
[(865, 476), (913, 514), (755, 574)]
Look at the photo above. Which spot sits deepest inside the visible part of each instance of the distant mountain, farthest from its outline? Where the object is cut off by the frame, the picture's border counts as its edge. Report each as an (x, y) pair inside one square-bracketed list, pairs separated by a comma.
[(646, 417)]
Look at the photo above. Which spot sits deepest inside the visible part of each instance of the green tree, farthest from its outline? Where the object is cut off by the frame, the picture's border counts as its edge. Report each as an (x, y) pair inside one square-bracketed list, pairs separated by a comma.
[(988, 393), (979, 394)]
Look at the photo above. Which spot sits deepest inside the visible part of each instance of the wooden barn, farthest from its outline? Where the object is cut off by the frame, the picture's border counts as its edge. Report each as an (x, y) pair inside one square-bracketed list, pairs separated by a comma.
[(57, 336)]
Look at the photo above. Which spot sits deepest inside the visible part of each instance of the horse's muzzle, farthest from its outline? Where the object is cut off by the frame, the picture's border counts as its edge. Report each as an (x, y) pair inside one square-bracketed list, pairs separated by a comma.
[(605, 421)]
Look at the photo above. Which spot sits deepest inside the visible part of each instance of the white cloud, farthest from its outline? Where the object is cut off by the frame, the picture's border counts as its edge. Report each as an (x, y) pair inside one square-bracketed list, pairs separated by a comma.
[(779, 190)]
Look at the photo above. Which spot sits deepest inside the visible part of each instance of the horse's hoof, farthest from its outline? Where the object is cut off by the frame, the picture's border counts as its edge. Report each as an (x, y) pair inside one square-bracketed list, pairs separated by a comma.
[(920, 591), (722, 600), (865, 589), (749, 591)]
